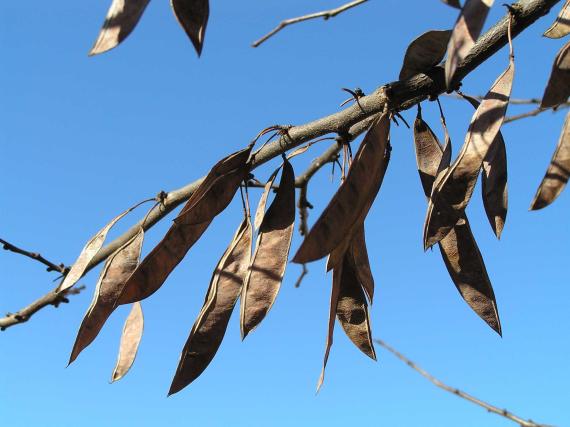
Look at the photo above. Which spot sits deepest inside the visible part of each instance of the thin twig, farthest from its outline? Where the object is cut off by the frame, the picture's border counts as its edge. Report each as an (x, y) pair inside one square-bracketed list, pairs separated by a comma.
[(536, 112), (491, 408), (326, 14), (399, 95), (61, 268), (27, 312)]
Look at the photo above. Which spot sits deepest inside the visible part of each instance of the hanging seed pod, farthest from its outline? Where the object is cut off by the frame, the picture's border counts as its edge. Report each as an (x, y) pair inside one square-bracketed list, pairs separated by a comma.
[(130, 340)]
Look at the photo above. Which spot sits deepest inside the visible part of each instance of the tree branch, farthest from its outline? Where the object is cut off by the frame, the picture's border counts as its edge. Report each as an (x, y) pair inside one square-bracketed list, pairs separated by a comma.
[(35, 256), (457, 392), (397, 96), (326, 14)]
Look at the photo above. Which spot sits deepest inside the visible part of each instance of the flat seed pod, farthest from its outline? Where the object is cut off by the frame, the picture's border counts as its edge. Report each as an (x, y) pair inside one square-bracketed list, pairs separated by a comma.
[(458, 248), (453, 190), (193, 17), (116, 271), (210, 198), (452, 3), (494, 180), (557, 173), (337, 274), (466, 31), (210, 326), (260, 212), (354, 197), (560, 27), (269, 261), (359, 255), (87, 253), (352, 309), (424, 52), (558, 88), (130, 340), (122, 18)]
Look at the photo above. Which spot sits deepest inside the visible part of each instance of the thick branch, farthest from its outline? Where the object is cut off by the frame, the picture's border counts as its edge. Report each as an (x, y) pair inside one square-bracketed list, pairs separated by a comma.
[(397, 96), (326, 14), (457, 392)]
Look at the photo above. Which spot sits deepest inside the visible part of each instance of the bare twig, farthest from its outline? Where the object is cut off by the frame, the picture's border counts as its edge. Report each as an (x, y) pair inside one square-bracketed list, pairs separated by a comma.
[(26, 313), (326, 14), (491, 408), (399, 96), (535, 112), (61, 268)]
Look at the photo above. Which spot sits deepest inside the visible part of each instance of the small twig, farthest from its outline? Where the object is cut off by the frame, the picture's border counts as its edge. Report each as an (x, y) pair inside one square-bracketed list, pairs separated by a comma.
[(535, 112), (61, 268), (304, 272), (491, 408), (326, 14), (26, 313)]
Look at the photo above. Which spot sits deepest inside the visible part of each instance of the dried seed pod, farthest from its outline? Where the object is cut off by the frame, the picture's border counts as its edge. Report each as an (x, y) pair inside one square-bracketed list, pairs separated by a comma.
[(130, 340), (359, 255), (465, 33), (560, 27), (260, 212), (337, 274), (210, 326), (452, 3), (352, 309), (453, 189), (424, 52), (122, 18), (351, 202), (494, 180), (269, 261), (88, 252), (458, 248), (557, 173), (116, 271), (210, 198), (193, 17), (558, 88)]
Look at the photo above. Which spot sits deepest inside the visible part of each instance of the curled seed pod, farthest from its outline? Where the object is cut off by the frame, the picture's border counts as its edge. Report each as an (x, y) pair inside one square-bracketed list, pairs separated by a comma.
[(452, 190), (130, 340), (122, 18), (267, 268), (560, 27), (260, 212), (558, 171), (210, 198), (494, 180), (466, 31), (210, 326), (557, 90), (351, 202), (116, 271), (424, 52), (193, 17), (458, 248)]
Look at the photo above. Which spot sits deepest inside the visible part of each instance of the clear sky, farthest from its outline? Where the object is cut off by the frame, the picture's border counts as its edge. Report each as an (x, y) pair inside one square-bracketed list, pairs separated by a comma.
[(84, 138)]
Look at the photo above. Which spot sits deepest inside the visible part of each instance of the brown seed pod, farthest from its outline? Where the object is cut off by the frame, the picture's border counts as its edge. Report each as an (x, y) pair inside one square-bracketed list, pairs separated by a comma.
[(561, 26), (193, 17), (424, 52), (557, 90), (130, 340)]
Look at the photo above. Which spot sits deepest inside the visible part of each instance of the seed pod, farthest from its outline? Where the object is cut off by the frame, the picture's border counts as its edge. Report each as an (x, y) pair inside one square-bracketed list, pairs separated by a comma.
[(453, 190), (560, 27), (266, 272), (494, 180), (116, 271), (210, 198), (122, 18), (558, 88), (352, 309), (351, 202), (193, 17), (465, 33), (458, 248), (210, 326), (130, 340), (452, 3), (558, 171), (424, 53), (260, 212)]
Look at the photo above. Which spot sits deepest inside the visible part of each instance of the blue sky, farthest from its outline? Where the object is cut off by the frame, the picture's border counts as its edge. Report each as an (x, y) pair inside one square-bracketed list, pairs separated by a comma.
[(84, 138)]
